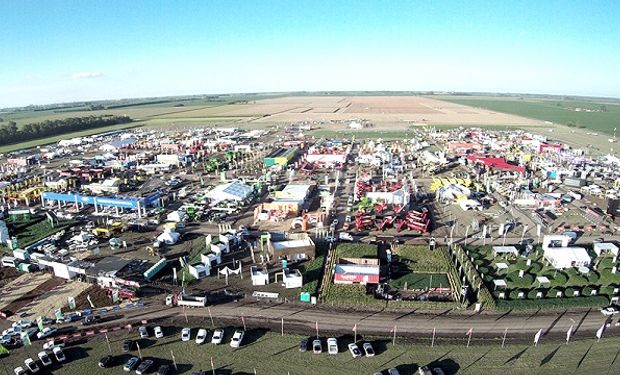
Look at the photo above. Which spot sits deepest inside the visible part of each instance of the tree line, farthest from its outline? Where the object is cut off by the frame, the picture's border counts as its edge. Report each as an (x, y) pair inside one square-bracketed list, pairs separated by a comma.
[(10, 133)]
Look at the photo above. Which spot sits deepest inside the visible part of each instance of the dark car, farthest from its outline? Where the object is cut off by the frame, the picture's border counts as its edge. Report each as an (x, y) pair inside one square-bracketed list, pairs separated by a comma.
[(131, 364), (128, 345), (91, 319), (163, 370), (303, 345), (106, 361), (144, 367)]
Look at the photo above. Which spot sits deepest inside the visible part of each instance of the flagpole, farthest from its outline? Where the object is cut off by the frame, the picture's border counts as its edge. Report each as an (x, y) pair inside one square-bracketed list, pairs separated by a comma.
[(355, 333), (504, 338), (211, 317), (185, 313), (316, 325), (433, 339), (282, 327), (243, 321), (174, 360), (107, 339), (212, 366), (139, 352), (469, 338), (394, 338)]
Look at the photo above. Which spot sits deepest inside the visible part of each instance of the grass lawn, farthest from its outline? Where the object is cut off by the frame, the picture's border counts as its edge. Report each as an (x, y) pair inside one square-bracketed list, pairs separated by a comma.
[(557, 111), (35, 230), (358, 250), (419, 280), (313, 271), (269, 353)]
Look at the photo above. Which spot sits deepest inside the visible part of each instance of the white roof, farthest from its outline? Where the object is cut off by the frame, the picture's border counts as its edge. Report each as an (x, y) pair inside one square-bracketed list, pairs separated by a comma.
[(606, 246), (500, 283), (233, 190), (361, 269), (543, 280), (501, 266), (576, 254), (281, 245)]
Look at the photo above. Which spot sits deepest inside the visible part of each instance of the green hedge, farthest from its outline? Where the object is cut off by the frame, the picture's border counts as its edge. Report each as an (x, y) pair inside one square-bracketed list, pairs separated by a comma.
[(552, 303)]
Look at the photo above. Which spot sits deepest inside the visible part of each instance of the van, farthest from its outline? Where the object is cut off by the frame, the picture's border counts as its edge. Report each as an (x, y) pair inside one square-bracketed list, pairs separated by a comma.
[(9, 262)]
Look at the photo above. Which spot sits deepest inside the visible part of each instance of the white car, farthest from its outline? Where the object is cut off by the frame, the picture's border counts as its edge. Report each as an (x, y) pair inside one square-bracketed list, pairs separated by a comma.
[(344, 236), (608, 311), (332, 345), (144, 332), (159, 333), (368, 349), (45, 358), (51, 344), (201, 336), (186, 334), (355, 351), (19, 371), (47, 331), (31, 365), (59, 354), (218, 336), (22, 323), (235, 342)]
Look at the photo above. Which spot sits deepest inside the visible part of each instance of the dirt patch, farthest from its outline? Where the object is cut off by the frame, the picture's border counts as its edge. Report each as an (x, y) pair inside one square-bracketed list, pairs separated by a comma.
[(27, 298), (98, 295), (8, 274)]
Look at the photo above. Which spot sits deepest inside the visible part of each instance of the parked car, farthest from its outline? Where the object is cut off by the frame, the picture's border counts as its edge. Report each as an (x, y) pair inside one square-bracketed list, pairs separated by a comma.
[(332, 345), (45, 358), (303, 345), (235, 342), (368, 349), (201, 336), (218, 336), (47, 331), (317, 347), (355, 351), (424, 370), (106, 361), (163, 370), (19, 371), (608, 311), (159, 333), (144, 367), (51, 344), (128, 345), (186, 334), (24, 323), (31, 365), (144, 332), (59, 354), (91, 319), (131, 364)]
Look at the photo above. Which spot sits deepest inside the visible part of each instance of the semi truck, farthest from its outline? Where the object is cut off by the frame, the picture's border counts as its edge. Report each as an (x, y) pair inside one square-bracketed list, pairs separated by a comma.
[(180, 299)]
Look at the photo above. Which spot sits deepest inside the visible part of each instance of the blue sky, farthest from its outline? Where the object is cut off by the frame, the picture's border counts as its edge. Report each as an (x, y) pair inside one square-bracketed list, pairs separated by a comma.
[(59, 51)]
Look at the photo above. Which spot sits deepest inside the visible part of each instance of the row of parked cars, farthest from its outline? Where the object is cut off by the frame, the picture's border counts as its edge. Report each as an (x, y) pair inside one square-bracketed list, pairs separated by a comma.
[(44, 358), (332, 347), (200, 338)]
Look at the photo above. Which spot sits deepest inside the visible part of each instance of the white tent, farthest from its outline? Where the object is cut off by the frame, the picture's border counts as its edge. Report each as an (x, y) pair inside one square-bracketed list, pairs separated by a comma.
[(567, 257), (235, 190), (168, 237), (606, 247)]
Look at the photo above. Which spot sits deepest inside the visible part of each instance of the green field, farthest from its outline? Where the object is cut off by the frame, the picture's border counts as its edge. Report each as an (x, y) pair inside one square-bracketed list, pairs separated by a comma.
[(269, 353), (557, 111)]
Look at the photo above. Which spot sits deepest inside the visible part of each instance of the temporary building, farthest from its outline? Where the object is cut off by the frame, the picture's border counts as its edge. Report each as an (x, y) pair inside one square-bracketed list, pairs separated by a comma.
[(236, 190), (293, 278), (259, 275), (503, 250), (169, 237), (567, 257), (605, 247)]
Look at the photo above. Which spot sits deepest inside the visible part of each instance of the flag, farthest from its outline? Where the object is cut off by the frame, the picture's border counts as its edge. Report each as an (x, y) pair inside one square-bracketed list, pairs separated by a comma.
[(470, 332), (40, 323), (25, 339), (599, 333), (537, 337), (71, 302), (92, 305), (393, 329), (243, 320), (355, 328), (59, 314), (569, 333), (114, 295)]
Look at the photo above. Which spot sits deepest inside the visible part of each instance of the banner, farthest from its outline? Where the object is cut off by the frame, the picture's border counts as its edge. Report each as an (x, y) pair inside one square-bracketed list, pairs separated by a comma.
[(114, 295), (537, 337), (569, 333), (59, 314), (599, 333), (40, 323), (71, 302), (92, 305), (25, 339)]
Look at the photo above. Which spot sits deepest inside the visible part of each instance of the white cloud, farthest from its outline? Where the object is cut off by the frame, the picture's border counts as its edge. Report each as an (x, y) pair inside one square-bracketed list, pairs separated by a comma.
[(86, 75)]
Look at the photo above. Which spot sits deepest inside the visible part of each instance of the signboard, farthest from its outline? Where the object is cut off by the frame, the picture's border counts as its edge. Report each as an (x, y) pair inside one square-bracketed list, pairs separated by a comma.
[(304, 297)]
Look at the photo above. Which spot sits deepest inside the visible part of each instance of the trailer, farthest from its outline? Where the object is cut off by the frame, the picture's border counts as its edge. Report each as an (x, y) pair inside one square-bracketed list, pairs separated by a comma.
[(180, 299)]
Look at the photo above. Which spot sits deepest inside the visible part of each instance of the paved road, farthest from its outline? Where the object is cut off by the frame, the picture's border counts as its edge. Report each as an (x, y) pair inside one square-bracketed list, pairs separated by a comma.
[(447, 323)]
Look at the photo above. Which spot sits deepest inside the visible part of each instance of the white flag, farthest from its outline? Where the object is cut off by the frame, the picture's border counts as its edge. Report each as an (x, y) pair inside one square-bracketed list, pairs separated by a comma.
[(92, 305), (537, 337), (599, 333), (470, 332), (569, 333)]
